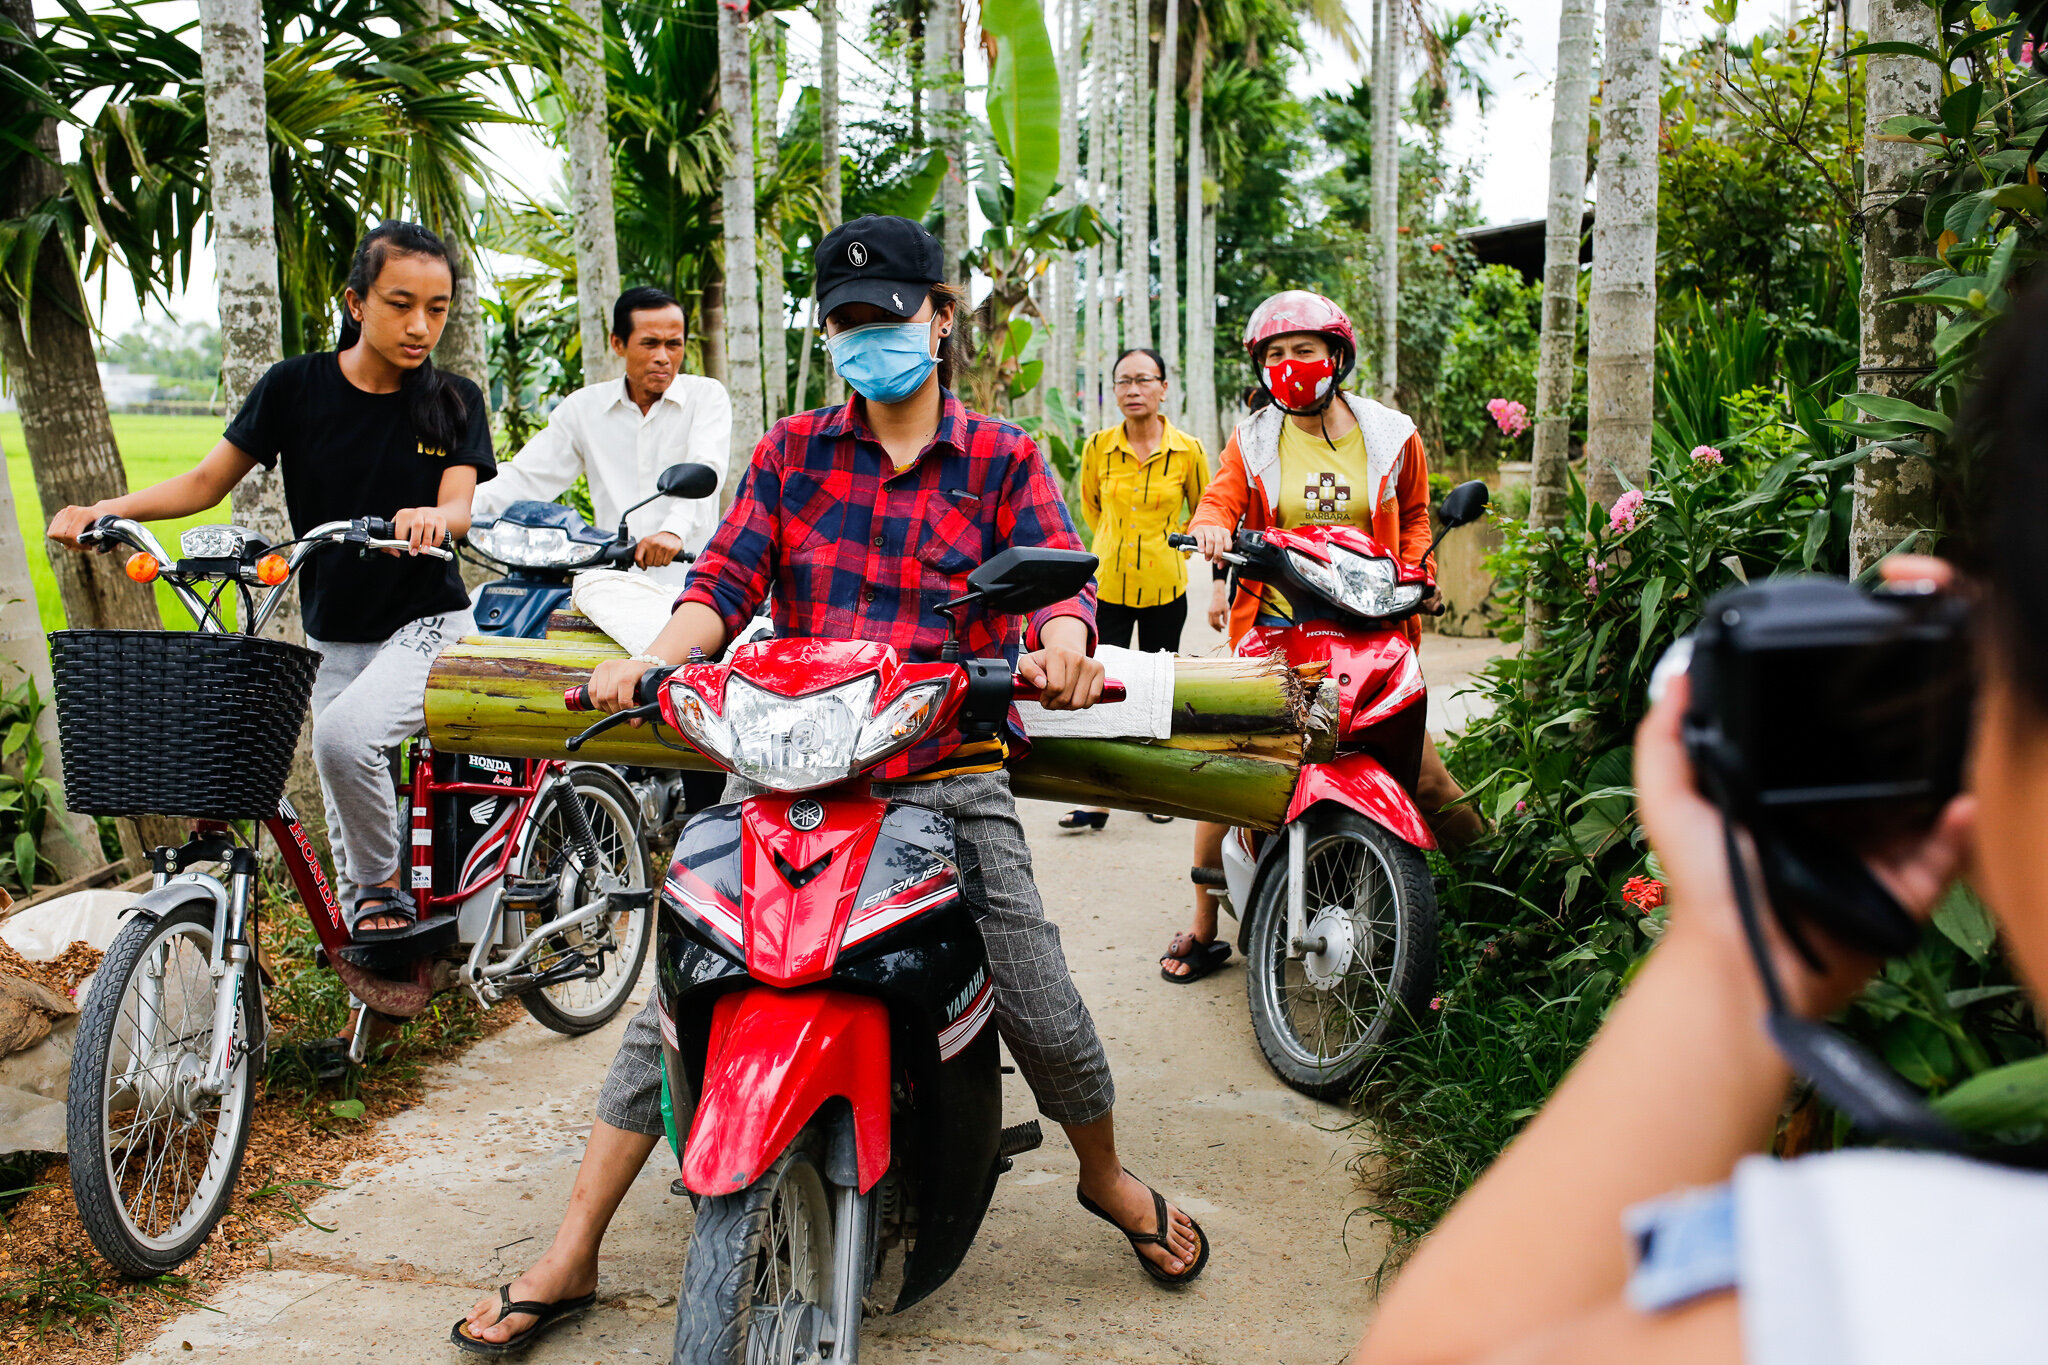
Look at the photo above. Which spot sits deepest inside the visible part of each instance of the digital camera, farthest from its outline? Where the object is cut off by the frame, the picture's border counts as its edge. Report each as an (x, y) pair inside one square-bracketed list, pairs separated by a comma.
[(1827, 721)]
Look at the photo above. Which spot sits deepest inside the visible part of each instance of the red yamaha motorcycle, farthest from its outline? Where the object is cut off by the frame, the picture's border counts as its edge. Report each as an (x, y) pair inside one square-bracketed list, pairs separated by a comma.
[(830, 1079), (1337, 914)]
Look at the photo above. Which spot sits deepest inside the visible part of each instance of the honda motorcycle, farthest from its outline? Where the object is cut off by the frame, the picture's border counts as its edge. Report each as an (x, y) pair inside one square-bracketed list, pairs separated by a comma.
[(1337, 915), (823, 993)]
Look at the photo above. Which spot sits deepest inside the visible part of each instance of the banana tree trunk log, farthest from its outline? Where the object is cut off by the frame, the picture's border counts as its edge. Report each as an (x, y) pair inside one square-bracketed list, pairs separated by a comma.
[(1241, 731)]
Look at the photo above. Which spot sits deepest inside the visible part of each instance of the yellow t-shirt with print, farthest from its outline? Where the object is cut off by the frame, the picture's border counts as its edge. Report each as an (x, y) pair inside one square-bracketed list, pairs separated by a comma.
[(1133, 504), (1322, 486)]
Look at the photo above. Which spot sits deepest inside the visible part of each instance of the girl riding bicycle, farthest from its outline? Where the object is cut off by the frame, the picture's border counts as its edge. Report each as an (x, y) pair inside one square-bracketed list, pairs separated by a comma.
[(370, 429)]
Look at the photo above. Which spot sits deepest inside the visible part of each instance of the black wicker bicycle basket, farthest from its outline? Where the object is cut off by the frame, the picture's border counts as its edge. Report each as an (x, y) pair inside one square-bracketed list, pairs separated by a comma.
[(173, 722)]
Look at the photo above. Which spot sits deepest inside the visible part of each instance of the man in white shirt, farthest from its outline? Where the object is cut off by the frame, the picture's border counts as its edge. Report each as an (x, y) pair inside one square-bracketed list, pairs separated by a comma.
[(622, 433)]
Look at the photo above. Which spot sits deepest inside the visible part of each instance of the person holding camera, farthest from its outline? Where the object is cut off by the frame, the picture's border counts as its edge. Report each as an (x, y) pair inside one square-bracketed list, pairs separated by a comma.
[(1635, 1219)]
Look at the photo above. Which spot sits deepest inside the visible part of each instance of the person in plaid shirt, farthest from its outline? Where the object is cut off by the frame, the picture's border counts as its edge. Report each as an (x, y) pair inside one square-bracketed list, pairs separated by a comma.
[(862, 519)]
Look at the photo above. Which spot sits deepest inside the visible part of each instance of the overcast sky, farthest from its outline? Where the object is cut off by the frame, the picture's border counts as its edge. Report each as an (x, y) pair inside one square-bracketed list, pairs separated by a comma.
[(1509, 145)]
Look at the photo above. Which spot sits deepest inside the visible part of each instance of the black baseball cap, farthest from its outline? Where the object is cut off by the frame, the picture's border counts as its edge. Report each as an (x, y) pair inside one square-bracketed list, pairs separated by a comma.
[(887, 261)]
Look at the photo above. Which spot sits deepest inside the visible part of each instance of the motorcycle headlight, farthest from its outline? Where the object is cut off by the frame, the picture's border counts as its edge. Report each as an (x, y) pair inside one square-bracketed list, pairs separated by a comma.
[(899, 724), (1358, 583), (783, 743), (529, 547)]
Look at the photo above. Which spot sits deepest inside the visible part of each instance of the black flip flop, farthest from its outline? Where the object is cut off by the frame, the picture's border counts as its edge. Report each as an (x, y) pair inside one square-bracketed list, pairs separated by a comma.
[(1138, 1239), (382, 900), (1159, 819), (548, 1314), (1202, 959), (1076, 820)]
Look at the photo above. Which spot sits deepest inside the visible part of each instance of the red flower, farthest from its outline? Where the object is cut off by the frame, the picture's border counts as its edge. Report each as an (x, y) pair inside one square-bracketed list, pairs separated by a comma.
[(1644, 893)]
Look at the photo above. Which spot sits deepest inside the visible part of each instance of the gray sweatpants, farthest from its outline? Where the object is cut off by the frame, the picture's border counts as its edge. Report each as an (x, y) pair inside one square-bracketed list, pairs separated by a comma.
[(1039, 1012), (367, 700)]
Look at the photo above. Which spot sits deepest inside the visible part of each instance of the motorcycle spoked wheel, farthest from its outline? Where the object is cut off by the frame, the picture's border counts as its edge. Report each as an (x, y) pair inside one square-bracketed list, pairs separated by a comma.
[(577, 1007), (757, 1285), (1320, 1018), (153, 1158)]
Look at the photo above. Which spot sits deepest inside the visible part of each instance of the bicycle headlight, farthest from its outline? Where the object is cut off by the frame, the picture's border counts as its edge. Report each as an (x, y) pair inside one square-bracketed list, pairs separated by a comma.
[(783, 743), (1364, 584), (212, 542)]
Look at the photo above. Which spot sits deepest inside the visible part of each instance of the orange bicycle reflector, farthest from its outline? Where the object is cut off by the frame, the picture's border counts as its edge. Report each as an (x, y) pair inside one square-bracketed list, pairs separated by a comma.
[(272, 570), (142, 567)]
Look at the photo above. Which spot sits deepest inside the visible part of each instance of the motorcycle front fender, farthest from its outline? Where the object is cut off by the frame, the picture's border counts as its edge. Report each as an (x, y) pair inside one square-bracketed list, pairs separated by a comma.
[(1361, 782), (775, 1056)]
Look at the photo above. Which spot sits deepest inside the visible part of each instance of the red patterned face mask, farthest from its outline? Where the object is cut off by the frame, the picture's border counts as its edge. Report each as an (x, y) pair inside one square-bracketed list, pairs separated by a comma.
[(1298, 385)]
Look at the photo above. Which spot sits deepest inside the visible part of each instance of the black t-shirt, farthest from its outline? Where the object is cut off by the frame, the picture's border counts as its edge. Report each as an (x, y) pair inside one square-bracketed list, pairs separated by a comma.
[(346, 454)]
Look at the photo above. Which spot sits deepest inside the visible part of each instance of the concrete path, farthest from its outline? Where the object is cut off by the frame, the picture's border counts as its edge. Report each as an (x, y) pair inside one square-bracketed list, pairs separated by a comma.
[(489, 1156)]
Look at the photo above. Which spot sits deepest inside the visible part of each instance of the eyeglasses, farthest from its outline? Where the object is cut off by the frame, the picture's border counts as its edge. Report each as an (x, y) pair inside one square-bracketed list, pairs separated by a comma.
[(1139, 381)]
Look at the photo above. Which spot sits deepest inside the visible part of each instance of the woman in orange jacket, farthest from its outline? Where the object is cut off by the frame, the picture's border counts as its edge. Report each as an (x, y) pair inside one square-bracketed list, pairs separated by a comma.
[(1306, 458)]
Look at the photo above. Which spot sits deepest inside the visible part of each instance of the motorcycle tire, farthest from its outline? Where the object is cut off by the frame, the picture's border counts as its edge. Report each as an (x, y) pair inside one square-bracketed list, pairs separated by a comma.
[(757, 1284), (1375, 978), (141, 1229), (578, 1007)]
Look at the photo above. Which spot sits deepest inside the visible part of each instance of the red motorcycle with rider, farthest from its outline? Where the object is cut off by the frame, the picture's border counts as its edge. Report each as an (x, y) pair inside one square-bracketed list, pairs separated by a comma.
[(1320, 511)]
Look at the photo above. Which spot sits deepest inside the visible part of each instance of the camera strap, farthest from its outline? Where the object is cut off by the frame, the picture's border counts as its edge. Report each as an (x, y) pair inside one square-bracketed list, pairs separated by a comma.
[(1845, 1073)]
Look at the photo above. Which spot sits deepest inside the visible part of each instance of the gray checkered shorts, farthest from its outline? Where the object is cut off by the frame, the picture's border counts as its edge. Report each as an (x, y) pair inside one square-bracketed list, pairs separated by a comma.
[(1038, 1010)]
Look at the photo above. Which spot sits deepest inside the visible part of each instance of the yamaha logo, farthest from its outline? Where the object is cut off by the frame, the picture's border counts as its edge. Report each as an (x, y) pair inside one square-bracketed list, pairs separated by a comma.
[(807, 815), (857, 253)]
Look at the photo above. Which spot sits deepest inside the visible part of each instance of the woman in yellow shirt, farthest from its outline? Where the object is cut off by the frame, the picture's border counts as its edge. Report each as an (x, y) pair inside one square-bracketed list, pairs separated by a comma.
[(1140, 480)]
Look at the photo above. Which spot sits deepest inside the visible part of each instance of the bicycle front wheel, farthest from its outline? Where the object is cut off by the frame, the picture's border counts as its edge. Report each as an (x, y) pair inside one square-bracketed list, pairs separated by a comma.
[(614, 945), (154, 1154)]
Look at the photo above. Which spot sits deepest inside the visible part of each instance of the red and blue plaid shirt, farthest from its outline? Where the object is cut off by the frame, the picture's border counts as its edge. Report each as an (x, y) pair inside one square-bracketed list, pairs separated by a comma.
[(858, 550)]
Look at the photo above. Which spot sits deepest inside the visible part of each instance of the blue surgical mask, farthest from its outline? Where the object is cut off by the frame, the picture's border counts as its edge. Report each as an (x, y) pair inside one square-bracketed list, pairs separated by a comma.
[(885, 362)]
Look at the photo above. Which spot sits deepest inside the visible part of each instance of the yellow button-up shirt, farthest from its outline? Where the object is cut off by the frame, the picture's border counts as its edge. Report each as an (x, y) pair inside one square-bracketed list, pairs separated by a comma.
[(1133, 504)]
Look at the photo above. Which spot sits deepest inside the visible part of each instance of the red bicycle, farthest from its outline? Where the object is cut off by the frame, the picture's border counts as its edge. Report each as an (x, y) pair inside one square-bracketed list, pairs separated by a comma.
[(532, 878)]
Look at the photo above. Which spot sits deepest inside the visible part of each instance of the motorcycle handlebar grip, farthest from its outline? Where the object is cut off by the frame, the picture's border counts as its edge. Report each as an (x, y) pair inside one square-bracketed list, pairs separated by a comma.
[(577, 698), (1179, 541), (1112, 690), (648, 689)]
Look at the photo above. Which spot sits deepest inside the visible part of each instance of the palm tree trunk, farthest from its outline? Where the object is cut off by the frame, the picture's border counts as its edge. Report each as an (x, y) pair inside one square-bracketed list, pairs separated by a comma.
[(463, 348), (1163, 198), (1895, 494), (1571, 112), (942, 37), (1622, 307), (56, 381), (828, 151), (71, 842), (1094, 297), (590, 198), (1060, 281), (1386, 186), (742, 299), (768, 161), (1137, 180), (1201, 361)]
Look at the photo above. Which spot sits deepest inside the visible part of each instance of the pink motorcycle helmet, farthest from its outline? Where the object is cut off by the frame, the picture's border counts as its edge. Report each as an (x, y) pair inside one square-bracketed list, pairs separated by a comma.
[(1298, 310)]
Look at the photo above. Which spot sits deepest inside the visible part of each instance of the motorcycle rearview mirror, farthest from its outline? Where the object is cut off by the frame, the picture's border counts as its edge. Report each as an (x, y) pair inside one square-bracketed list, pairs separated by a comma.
[(1463, 504), (1024, 578), (687, 480)]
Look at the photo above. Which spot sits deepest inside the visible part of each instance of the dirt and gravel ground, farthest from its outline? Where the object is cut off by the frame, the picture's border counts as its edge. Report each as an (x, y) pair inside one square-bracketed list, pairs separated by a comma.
[(474, 1177)]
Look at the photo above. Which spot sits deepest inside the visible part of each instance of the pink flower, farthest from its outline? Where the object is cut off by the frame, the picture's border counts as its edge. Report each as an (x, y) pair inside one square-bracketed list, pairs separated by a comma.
[(1436, 1002), (1705, 455), (1521, 807), (1511, 417), (2027, 50), (1627, 512)]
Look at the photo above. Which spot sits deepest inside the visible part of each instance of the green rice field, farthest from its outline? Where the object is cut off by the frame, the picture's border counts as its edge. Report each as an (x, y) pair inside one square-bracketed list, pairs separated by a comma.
[(153, 448)]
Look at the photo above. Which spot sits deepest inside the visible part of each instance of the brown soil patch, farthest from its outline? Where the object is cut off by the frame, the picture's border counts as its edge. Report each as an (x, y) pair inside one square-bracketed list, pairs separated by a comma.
[(60, 1304)]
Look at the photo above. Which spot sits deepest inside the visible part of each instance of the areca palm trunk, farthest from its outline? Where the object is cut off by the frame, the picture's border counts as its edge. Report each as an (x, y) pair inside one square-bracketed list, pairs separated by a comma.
[(1163, 199), (590, 197), (741, 298), (463, 348), (1201, 361), (768, 154), (828, 153), (1137, 181), (1895, 495), (1386, 186), (1622, 306), (942, 37), (1571, 112), (1094, 295), (1059, 292), (47, 349)]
